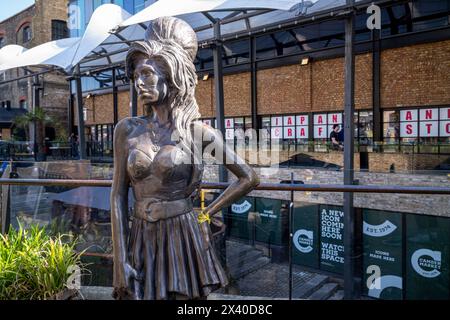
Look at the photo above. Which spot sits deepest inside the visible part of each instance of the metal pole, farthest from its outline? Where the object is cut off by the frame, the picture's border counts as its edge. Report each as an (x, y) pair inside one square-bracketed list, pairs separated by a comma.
[(115, 98), (81, 137), (376, 85), (71, 103), (349, 229), (218, 86), (133, 100), (254, 83), (291, 235), (36, 104)]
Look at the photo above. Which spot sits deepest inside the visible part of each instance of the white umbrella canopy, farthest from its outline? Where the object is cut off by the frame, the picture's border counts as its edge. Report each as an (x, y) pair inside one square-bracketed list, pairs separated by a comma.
[(66, 53), (54, 53), (9, 53), (104, 19)]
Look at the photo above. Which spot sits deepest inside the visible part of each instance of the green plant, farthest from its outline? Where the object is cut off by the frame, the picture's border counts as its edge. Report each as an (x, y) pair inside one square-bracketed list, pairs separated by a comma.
[(34, 265)]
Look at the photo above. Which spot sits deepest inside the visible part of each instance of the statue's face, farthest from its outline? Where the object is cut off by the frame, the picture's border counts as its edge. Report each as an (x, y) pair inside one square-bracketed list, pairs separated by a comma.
[(150, 81)]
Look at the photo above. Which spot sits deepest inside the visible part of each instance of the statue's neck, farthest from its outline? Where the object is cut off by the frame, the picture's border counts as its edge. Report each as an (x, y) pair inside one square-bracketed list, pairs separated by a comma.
[(159, 113)]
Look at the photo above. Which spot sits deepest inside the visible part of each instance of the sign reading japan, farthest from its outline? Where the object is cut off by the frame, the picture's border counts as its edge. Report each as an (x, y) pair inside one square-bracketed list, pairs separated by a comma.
[(433, 122), (289, 127)]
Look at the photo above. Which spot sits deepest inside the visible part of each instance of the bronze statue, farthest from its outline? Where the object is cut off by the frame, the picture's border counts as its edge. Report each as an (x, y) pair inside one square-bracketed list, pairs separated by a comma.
[(168, 252)]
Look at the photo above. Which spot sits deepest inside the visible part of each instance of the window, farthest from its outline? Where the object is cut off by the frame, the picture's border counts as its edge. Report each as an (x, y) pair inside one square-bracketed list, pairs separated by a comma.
[(26, 34), (59, 30), (23, 104), (2, 42), (128, 5), (425, 130)]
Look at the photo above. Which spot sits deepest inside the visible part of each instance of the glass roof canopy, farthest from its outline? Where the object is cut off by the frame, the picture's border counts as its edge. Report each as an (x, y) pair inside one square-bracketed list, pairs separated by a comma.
[(233, 23), (111, 29)]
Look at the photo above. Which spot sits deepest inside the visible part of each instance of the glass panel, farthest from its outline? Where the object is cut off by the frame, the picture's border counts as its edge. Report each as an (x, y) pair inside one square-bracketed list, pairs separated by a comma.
[(236, 52)]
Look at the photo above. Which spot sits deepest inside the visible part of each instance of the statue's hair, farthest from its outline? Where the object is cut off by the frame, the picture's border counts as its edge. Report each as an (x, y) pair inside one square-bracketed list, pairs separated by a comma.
[(176, 61)]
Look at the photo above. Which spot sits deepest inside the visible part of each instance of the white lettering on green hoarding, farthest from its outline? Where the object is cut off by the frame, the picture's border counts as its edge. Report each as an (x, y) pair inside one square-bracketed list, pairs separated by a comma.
[(241, 208), (330, 252), (380, 230)]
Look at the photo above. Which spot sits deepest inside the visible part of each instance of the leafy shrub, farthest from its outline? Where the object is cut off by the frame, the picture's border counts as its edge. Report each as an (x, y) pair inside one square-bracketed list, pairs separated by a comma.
[(34, 265)]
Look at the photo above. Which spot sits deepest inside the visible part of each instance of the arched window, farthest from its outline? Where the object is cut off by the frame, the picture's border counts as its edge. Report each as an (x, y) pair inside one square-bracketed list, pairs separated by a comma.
[(26, 34), (59, 30)]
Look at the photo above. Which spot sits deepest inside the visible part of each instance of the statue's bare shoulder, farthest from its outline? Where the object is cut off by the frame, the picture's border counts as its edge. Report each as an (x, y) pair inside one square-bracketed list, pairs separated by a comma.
[(126, 126)]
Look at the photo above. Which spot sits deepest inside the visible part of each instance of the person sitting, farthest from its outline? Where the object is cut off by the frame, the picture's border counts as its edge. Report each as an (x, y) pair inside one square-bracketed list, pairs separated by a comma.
[(336, 144)]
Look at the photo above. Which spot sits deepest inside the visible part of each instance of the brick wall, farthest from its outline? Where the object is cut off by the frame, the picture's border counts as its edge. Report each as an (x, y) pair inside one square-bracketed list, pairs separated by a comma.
[(54, 98), (319, 86), (416, 75)]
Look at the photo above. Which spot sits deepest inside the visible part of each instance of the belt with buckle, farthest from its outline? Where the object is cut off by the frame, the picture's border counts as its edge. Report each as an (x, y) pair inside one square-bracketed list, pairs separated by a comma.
[(152, 210)]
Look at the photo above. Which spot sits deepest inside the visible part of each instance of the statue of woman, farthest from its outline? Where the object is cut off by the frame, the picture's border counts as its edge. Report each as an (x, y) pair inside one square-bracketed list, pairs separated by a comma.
[(167, 253)]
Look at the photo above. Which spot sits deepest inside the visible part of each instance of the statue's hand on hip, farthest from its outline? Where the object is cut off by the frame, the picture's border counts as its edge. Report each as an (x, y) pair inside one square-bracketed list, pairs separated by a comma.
[(124, 277)]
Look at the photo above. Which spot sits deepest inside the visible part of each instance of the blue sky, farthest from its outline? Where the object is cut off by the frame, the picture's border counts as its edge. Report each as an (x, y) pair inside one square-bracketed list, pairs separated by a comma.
[(9, 8)]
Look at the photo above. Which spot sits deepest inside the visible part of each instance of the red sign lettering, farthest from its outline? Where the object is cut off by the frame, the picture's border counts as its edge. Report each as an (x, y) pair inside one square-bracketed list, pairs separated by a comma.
[(320, 131), (302, 132), (289, 132), (320, 119), (428, 114), (302, 120), (428, 125), (335, 118), (409, 129), (408, 115), (447, 127)]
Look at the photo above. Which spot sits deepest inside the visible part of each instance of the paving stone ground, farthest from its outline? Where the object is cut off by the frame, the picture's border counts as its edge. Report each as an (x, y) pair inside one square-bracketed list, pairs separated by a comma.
[(273, 281)]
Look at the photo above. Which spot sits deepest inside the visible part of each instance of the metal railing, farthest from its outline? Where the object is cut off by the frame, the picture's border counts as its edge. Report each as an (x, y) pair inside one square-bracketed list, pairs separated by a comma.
[(289, 187), (262, 186)]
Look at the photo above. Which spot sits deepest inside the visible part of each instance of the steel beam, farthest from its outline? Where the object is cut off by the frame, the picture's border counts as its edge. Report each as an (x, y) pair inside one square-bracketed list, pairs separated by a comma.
[(218, 87), (133, 100), (115, 97), (349, 109), (81, 131), (254, 83), (376, 84)]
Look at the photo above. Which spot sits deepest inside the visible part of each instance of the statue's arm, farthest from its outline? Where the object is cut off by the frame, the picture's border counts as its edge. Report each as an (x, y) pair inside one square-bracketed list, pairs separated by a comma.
[(119, 204), (247, 178)]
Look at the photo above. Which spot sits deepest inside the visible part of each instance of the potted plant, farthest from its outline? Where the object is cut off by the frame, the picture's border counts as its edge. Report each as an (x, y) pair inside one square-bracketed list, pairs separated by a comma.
[(36, 266)]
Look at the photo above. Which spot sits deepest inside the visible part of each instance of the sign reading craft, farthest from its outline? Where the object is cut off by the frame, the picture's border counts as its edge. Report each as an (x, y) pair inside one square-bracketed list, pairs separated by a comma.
[(432, 122)]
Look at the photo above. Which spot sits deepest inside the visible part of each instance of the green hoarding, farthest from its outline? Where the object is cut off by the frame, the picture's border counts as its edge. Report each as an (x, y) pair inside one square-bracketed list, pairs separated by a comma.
[(382, 254), (331, 238), (306, 235), (268, 220), (237, 218), (427, 257)]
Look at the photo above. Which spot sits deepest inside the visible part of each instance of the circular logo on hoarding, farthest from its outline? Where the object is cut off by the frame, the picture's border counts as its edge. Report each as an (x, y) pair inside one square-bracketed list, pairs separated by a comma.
[(427, 263), (303, 240)]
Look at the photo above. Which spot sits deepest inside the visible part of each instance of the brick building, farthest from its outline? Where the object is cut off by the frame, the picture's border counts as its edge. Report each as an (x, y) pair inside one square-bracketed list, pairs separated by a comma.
[(402, 93), (42, 22)]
